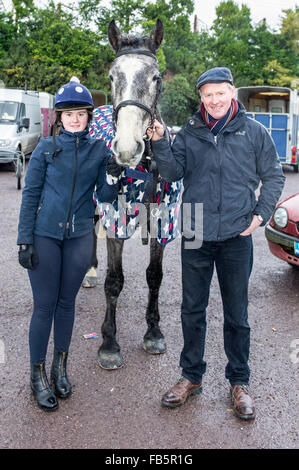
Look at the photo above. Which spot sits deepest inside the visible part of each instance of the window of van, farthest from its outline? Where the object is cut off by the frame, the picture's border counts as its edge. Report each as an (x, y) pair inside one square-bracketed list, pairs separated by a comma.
[(8, 111), (22, 111)]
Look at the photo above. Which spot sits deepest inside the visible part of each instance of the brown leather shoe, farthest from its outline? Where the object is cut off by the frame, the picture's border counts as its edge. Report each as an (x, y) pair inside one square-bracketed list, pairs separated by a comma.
[(242, 402), (179, 393)]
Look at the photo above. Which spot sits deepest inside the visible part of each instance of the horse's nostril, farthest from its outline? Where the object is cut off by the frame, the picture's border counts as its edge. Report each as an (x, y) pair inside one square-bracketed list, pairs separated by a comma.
[(114, 147), (140, 147)]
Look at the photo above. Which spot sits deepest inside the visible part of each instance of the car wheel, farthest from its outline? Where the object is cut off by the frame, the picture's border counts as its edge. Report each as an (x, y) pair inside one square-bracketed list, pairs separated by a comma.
[(294, 266)]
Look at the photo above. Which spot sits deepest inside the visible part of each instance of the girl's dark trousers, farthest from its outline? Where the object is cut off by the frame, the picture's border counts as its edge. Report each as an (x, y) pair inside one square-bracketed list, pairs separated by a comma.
[(55, 284)]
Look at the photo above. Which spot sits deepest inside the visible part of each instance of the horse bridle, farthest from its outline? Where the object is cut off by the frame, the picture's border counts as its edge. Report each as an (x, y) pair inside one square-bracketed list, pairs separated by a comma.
[(152, 113), (148, 156)]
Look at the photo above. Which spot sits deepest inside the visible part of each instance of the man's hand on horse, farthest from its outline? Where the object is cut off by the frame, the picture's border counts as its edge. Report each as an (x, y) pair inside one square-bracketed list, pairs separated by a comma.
[(156, 132)]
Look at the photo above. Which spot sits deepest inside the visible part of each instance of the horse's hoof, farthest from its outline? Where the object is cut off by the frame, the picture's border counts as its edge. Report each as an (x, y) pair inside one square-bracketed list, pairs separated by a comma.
[(90, 279), (154, 346), (110, 361), (89, 282)]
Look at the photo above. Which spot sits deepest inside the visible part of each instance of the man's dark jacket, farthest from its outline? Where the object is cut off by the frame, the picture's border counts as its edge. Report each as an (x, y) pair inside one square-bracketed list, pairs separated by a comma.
[(223, 173)]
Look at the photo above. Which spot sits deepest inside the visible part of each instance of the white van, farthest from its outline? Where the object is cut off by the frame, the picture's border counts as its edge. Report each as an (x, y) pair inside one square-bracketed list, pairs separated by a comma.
[(20, 121)]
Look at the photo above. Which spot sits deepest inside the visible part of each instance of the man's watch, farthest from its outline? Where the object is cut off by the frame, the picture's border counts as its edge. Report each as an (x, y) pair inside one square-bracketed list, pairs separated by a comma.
[(260, 218)]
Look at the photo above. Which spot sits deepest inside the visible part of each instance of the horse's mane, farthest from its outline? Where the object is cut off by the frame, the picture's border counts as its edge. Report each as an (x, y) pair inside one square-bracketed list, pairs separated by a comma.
[(136, 42)]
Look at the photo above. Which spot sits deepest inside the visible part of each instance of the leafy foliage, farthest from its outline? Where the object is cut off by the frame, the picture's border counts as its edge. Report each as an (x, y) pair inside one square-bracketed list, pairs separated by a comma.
[(46, 46), (177, 98)]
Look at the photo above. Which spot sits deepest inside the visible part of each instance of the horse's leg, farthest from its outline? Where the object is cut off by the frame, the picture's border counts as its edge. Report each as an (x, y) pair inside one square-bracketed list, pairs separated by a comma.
[(109, 355), (154, 342), (91, 278)]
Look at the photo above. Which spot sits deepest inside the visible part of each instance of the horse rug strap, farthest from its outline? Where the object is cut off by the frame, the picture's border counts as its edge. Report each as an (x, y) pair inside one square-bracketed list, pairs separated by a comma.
[(126, 213)]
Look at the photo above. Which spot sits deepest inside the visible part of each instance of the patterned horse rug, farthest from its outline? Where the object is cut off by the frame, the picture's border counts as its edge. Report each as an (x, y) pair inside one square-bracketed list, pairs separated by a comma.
[(126, 213)]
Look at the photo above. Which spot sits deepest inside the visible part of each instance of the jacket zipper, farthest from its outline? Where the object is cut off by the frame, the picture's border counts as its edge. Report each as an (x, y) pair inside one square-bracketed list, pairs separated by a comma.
[(220, 187), (220, 203), (40, 207), (67, 227)]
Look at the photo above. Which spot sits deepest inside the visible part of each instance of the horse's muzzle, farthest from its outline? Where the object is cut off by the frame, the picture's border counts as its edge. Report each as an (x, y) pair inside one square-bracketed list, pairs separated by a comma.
[(128, 156)]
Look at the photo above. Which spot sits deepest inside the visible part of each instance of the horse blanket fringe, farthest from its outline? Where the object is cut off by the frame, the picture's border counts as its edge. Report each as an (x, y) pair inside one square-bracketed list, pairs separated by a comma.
[(122, 217)]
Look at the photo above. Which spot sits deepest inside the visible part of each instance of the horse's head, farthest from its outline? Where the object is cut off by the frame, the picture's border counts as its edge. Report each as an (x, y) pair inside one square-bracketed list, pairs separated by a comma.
[(135, 88)]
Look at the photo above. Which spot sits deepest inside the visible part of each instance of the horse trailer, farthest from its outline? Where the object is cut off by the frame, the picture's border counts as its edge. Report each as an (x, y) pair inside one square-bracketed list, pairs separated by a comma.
[(47, 105), (277, 108)]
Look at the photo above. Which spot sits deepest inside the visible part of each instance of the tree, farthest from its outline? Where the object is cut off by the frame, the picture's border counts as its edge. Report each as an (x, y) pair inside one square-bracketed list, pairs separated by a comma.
[(290, 28), (290, 33), (232, 33), (7, 34), (21, 9), (127, 13), (178, 100), (274, 56), (46, 46), (278, 75), (49, 49), (177, 44), (54, 38), (264, 47)]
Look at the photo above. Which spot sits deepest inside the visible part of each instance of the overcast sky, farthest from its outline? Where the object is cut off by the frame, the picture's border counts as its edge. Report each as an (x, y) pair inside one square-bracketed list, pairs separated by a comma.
[(206, 9)]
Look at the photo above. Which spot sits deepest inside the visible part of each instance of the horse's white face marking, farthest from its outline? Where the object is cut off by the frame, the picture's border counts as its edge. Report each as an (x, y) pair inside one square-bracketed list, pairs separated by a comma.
[(133, 77)]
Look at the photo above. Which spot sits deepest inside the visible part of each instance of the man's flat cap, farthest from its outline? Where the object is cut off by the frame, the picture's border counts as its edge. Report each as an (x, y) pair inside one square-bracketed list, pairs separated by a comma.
[(215, 75)]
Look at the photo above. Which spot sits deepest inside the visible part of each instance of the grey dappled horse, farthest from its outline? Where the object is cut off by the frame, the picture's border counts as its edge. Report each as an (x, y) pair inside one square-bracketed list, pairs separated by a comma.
[(135, 88)]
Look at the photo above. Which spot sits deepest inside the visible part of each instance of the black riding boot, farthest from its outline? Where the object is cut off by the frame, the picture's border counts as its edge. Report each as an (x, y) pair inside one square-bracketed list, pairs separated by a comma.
[(63, 388), (41, 389)]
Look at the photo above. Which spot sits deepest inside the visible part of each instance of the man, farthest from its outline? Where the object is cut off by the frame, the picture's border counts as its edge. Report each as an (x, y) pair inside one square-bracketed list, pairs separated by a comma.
[(222, 156)]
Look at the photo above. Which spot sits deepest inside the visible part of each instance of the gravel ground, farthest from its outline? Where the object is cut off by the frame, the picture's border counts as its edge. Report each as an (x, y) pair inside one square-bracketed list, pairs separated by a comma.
[(115, 410)]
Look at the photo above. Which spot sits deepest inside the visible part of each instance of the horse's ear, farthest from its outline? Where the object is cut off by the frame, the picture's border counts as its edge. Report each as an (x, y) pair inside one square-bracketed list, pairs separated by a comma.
[(157, 34), (114, 35)]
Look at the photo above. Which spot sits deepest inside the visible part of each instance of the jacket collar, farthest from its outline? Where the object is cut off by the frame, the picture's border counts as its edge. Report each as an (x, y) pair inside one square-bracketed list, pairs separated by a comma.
[(197, 121), (73, 135)]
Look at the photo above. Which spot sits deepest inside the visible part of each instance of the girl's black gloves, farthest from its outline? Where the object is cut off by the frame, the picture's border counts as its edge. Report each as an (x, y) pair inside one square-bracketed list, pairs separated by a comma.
[(112, 168), (28, 257)]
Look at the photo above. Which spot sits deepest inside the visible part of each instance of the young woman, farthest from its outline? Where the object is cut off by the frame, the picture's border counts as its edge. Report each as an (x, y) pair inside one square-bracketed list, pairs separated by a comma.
[(55, 232)]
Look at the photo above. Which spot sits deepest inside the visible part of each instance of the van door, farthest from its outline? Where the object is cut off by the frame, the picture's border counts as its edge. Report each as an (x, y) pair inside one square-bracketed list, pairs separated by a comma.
[(30, 137), (36, 129), (23, 132), (33, 113)]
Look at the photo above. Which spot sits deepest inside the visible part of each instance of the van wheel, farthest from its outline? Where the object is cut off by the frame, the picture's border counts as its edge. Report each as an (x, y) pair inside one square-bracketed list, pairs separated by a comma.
[(296, 168), (12, 165)]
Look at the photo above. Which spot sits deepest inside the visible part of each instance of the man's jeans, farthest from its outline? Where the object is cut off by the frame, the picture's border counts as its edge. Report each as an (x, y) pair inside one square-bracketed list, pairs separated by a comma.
[(233, 261)]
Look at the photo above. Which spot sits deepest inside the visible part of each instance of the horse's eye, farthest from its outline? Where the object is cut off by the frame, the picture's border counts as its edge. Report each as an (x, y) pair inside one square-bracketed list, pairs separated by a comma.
[(111, 78)]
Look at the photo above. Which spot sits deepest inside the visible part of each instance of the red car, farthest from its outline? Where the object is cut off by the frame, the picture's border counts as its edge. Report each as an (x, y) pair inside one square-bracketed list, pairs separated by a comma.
[(282, 231)]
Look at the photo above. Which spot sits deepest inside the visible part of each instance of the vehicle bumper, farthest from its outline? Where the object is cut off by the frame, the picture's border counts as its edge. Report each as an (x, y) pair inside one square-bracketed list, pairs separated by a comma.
[(282, 245), (7, 155)]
